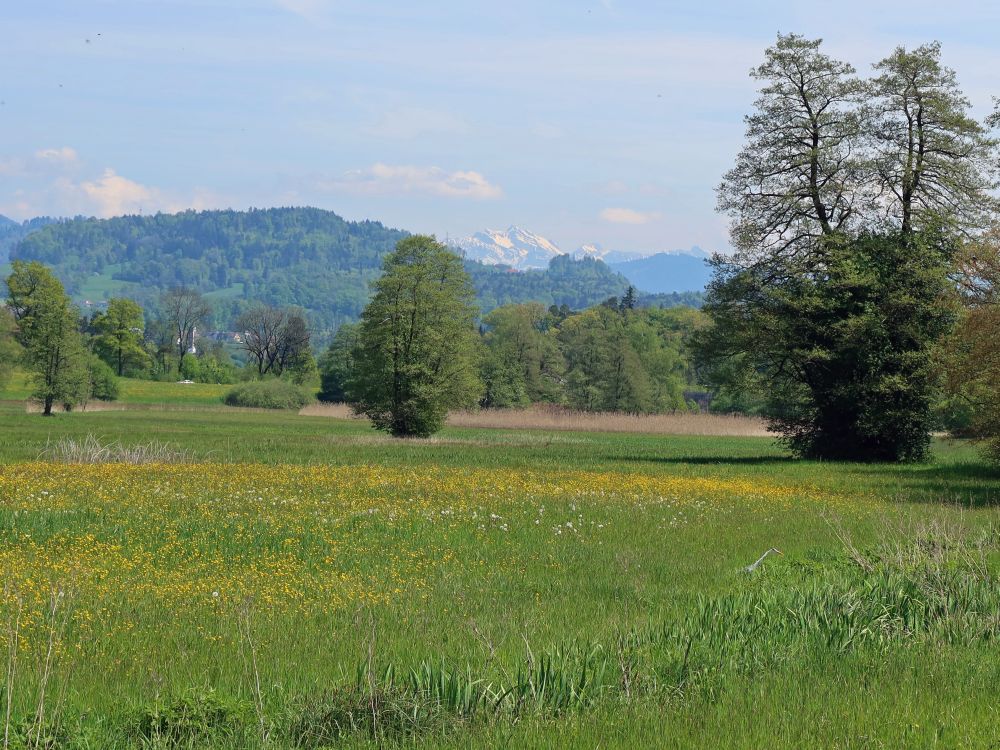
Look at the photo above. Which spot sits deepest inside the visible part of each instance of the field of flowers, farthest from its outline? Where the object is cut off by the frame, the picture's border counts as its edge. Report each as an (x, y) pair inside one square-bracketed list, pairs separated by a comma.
[(420, 599)]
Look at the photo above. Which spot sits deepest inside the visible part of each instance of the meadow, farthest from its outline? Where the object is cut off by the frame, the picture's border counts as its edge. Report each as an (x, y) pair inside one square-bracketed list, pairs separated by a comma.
[(286, 581)]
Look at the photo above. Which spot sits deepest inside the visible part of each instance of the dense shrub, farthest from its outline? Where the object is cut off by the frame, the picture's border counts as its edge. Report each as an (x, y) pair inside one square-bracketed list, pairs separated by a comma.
[(103, 383), (268, 394)]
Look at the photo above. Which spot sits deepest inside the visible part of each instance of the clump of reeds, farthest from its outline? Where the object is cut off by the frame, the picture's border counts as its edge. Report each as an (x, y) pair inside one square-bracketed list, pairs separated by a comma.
[(90, 450)]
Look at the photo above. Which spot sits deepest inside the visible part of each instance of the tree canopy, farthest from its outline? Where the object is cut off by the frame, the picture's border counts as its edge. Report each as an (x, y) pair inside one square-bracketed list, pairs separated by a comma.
[(418, 351), (47, 329)]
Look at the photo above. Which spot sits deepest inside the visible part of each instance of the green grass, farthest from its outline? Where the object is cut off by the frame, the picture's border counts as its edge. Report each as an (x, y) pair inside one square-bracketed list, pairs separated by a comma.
[(137, 392), (230, 292), (176, 394), (97, 287), (620, 619)]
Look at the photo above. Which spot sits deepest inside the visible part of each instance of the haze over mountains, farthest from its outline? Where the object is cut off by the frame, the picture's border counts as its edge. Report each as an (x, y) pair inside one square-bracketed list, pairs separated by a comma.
[(662, 272)]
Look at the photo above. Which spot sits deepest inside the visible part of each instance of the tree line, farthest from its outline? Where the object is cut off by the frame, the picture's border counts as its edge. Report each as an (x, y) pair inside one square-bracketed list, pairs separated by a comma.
[(302, 257), (614, 356), (863, 213), (611, 357)]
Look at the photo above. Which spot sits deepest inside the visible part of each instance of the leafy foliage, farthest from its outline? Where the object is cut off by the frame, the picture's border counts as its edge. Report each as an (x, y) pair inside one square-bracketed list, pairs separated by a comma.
[(10, 350), (103, 383), (120, 335), (47, 330), (610, 357), (971, 358), (622, 360), (417, 353), (337, 363), (844, 347), (523, 364)]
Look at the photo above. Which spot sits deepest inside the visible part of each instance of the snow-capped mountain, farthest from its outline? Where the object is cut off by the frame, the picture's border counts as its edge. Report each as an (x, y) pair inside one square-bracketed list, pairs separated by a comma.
[(674, 270), (596, 251), (516, 248)]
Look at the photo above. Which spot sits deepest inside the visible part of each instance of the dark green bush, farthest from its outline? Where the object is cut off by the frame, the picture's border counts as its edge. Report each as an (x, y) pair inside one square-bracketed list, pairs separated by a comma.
[(103, 383), (268, 394)]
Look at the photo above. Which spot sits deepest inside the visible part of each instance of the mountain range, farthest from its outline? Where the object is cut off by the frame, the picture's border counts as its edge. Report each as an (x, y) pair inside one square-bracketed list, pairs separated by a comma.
[(519, 249), (305, 257)]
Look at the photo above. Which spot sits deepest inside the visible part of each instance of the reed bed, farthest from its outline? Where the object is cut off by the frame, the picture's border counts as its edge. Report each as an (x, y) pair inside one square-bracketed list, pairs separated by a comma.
[(555, 418)]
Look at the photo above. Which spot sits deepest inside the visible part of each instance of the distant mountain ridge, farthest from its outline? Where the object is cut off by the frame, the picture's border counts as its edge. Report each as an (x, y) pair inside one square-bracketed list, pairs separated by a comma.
[(307, 257), (664, 272), (667, 272), (12, 232)]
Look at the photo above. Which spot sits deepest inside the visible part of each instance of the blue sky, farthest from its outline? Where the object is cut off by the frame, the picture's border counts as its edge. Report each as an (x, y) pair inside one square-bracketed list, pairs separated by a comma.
[(607, 121)]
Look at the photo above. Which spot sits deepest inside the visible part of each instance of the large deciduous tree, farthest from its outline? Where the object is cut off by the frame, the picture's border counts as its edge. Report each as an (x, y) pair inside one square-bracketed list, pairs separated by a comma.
[(834, 202), (931, 161), (845, 350), (47, 329), (184, 310), (798, 176), (120, 332), (275, 339), (418, 349), (10, 350), (337, 364)]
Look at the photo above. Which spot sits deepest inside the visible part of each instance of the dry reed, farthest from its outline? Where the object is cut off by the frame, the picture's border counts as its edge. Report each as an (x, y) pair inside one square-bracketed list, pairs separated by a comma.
[(90, 450), (555, 418)]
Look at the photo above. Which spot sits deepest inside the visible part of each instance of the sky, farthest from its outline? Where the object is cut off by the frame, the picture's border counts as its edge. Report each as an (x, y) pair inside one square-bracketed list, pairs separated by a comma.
[(609, 121)]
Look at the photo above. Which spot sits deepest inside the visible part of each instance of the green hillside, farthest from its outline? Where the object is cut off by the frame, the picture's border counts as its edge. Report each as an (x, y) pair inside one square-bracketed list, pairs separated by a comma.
[(283, 256)]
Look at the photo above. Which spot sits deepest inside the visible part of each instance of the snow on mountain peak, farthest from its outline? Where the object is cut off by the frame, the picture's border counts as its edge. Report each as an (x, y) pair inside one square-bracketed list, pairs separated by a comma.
[(521, 249), (515, 247)]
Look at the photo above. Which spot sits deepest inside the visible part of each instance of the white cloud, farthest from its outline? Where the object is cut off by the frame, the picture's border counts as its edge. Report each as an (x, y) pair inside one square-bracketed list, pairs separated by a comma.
[(387, 179), (114, 195), (60, 156), (56, 182), (43, 161), (629, 216)]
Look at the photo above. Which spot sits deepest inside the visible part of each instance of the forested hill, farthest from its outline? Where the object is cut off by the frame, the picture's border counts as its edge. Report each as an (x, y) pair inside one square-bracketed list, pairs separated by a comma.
[(12, 232), (284, 256)]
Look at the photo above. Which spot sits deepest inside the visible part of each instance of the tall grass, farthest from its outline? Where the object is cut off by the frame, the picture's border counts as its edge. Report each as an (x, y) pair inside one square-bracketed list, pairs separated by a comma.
[(90, 450)]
